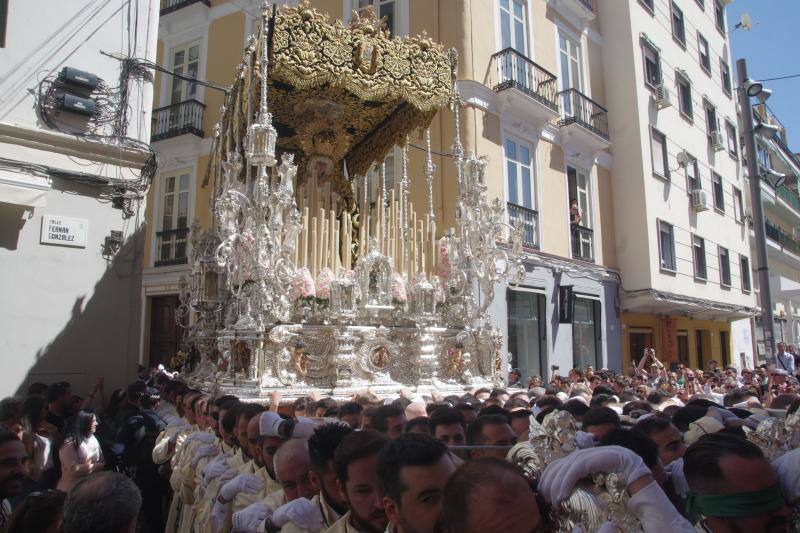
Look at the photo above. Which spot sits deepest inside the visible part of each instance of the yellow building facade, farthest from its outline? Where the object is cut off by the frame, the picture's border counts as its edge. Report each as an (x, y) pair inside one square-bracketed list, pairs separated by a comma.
[(531, 80)]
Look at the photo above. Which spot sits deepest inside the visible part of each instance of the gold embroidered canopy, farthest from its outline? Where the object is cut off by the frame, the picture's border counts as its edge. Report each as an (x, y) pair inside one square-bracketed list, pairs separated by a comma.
[(341, 96)]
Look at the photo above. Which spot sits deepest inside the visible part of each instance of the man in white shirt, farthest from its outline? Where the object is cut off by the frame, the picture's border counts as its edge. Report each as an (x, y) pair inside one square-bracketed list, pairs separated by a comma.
[(784, 360)]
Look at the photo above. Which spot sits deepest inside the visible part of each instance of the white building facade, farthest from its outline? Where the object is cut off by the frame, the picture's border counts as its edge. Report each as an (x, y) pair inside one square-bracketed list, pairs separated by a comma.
[(71, 189), (682, 241)]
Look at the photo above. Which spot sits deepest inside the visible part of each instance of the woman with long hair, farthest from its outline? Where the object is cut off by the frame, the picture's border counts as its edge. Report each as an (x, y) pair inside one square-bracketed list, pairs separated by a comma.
[(40, 439), (80, 454)]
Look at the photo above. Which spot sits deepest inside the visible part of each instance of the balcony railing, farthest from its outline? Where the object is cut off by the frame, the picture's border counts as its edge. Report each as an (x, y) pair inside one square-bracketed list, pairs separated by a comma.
[(514, 70), (168, 6), (529, 220), (789, 196), (178, 119), (577, 108), (777, 234), (171, 247), (582, 242)]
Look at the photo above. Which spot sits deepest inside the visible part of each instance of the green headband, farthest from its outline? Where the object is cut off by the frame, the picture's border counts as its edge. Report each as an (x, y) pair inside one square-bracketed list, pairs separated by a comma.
[(736, 505)]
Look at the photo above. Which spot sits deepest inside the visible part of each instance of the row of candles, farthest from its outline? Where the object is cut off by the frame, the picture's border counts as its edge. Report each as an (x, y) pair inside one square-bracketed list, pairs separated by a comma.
[(328, 240)]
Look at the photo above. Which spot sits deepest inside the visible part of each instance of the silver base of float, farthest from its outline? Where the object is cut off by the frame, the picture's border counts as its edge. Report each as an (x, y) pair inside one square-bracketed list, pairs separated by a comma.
[(341, 361)]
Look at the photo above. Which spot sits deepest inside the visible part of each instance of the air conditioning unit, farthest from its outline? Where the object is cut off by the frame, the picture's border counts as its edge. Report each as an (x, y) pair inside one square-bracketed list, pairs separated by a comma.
[(699, 200), (661, 98), (717, 141)]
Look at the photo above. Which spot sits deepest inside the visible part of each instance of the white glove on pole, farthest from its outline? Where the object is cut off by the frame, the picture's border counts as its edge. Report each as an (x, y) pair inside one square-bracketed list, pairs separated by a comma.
[(249, 519), (205, 450), (302, 512), (656, 513), (788, 468), (560, 476), (249, 483)]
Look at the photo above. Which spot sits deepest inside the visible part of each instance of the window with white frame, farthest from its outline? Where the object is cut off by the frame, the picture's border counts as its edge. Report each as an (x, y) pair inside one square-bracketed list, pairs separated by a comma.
[(763, 157), (693, 175), (513, 26), (725, 76), (678, 24), (719, 15), (519, 173), (652, 64), (175, 202), (579, 189), (724, 267), (732, 139), (569, 51), (666, 246), (719, 192), (172, 235), (705, 53), (185, 62), (684, 95), (381, 8), (699, 256), (738, 205), (744, 267), (712, 124), (658, 147)]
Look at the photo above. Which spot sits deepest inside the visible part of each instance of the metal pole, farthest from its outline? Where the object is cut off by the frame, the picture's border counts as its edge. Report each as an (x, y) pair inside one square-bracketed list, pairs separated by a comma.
[(767, 322)]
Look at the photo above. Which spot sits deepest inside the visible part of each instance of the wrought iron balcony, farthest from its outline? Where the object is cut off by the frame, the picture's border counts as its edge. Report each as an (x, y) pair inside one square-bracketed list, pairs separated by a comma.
[(168, 6), (777, 234), (529, 220), (577, 108), (514, 70), (582, 242), (171, 247), (178, 119)]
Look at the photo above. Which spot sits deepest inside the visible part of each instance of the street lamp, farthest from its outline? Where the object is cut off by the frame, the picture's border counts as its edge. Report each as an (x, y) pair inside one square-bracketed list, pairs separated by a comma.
[(755, 89), (774, 178)]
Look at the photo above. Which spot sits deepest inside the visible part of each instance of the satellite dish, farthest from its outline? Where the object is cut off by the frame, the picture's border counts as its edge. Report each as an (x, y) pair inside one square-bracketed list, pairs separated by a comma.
[(745, 22)]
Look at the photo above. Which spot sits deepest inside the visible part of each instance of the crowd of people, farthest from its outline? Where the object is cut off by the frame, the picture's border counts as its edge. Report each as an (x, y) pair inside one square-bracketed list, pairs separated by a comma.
[(161, 456)]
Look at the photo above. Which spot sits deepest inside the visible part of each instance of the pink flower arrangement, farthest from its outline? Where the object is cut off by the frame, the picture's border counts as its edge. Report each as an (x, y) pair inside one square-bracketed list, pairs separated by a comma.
[(302, 285), (324, 279), (399, 293)]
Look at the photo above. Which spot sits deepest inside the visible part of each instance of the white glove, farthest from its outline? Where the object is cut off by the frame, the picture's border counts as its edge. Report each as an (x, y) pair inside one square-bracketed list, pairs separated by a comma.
[(213, 470), (584, 439), (249, 483), (268, 424), (304, 428), (656, 513), (787, 466), (249, 519), (302, 512), (560, 476), (205, 450), (202, 436)]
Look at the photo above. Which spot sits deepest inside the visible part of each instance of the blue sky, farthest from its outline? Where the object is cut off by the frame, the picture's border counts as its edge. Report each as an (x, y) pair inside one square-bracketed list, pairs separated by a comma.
[(770, 49)]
